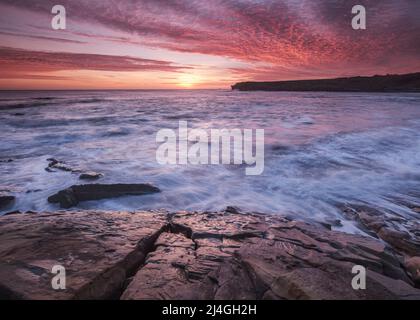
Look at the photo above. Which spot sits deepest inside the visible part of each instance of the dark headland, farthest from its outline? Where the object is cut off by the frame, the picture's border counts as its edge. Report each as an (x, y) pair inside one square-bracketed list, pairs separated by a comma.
[(389, 83)]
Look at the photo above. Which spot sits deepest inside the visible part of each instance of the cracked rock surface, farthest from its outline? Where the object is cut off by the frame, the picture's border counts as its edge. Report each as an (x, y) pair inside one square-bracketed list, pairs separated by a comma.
[(97, 249), (224, 255)]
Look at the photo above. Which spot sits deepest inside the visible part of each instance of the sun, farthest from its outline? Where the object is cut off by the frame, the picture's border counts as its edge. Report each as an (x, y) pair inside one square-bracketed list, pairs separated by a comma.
[(188, 80)]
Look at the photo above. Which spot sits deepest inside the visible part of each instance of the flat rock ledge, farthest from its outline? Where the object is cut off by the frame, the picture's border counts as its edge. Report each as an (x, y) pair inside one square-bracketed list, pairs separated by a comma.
[(71, 197), (192, 255)]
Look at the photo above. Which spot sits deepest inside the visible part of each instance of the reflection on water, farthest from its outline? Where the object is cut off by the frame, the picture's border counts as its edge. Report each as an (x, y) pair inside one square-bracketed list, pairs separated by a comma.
[(322, 149)]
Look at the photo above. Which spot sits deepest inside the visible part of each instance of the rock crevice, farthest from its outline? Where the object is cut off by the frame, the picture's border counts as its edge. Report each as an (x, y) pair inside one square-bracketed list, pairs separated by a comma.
[(192, 255)]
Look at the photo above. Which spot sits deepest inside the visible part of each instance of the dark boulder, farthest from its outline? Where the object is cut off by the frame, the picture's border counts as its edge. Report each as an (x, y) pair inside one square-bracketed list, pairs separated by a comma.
[(232, 209), (12, 213), (60, 165), (72, 196), (5, 200), (90, 175)]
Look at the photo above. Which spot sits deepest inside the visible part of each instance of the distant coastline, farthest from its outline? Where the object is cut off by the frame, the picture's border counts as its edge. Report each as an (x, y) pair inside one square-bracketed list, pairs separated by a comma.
[(388, 83)]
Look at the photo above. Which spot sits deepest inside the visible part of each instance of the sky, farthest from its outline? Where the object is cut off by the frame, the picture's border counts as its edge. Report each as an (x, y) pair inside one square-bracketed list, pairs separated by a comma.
[(196, 44)]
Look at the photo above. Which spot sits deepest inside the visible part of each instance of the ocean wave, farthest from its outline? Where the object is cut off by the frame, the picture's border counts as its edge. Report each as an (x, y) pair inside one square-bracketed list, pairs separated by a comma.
[(321, 150)]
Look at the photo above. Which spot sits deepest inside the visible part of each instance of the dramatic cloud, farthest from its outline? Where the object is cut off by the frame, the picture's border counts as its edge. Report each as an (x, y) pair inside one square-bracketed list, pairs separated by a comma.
[(275, 38), (22, 61), (59, 40)]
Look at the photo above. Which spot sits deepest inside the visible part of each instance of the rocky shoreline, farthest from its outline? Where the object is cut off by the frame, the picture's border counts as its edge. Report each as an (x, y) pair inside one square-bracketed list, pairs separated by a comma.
[(201, 255)]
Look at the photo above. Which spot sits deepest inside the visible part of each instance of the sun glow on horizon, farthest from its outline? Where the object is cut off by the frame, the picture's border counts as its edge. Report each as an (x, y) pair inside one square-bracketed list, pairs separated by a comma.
[(189, 80)]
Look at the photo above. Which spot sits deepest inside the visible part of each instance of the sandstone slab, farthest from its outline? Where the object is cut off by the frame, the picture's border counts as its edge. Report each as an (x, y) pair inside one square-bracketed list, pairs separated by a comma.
[(400, 232), (193, 255), (250, 256), (98, 250)]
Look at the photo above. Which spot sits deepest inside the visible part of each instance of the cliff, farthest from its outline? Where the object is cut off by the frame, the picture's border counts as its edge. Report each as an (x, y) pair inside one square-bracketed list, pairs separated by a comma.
[(389, 83)]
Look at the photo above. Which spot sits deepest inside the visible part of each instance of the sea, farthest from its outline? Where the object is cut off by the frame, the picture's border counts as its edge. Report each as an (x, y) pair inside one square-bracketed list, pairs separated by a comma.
[(322, 149)]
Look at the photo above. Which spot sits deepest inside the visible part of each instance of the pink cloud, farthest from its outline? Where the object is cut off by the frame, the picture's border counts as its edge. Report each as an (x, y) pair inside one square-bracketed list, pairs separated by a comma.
[(23, 61), (293, 38)]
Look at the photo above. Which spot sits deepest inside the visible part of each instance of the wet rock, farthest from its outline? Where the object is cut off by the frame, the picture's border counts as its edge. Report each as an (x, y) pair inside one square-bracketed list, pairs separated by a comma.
[(12, 213), (184, 255), (245, 256), (33, 191), (59, 165), (90, 176), (373, 222), (64, 167), (52, 161), (72, 196), (413, 267), (66, 198), (334, 222), (98, 250), (401, 233), (5, 199), (55, 164), (330, 223), (401, 240), (231, 209), (278, 148)]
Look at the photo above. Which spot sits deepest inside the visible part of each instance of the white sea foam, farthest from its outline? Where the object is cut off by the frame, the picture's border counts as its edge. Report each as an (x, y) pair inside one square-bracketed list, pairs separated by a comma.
[(322, 149)]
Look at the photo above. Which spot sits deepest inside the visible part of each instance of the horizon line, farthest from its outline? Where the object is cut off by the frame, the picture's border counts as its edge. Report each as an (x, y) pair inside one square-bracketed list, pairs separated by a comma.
[(221, 88), (105, 89)]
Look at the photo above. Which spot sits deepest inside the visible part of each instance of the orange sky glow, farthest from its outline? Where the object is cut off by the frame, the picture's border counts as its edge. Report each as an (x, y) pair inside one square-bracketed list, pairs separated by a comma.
[(162, 44)]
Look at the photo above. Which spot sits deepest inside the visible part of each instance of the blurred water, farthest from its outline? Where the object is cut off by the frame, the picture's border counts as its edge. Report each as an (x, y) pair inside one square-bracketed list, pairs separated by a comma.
[(322, 149)]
